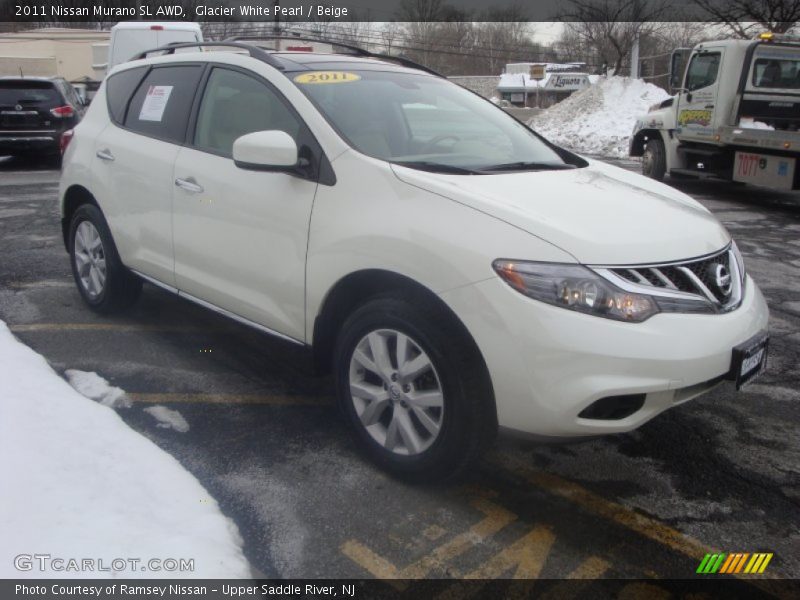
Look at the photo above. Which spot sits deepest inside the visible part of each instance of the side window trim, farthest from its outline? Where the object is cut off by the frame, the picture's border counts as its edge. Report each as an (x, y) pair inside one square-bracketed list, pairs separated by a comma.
[(323, 169), (124, 115), (150, 69)]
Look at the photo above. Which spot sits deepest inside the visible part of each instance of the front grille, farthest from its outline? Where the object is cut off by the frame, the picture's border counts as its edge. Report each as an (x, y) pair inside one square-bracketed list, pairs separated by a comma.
[(716, 278)]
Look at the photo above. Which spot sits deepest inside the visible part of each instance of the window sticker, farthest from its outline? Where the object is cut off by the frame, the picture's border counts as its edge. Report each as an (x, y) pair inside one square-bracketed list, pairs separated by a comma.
[(327, 77), (155, 102)]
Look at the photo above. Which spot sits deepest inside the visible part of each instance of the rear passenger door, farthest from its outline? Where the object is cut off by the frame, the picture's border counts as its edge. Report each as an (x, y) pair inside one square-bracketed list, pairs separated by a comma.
[(241, 235), (134, 160)]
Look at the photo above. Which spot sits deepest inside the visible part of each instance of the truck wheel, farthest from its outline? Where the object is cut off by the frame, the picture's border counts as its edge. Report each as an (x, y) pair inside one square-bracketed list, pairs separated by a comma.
[(416, 393), (654, 160), (103, 281)]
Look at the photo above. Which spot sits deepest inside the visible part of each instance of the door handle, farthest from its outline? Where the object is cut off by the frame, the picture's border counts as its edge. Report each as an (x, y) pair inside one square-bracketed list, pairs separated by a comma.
[(105, 154), (190, 185)]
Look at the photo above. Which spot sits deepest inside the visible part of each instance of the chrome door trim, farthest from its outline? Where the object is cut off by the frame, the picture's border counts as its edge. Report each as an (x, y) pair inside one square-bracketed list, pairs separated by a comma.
[(155, 282), (217, 309)]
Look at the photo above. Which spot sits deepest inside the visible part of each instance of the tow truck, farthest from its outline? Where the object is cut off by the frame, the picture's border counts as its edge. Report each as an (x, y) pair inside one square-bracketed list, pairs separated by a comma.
[(734, 115)]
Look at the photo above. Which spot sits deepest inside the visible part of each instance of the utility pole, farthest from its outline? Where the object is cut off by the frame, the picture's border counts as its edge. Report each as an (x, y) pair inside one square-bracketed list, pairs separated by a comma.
[(276, 27), (525, 90), (635, 58)]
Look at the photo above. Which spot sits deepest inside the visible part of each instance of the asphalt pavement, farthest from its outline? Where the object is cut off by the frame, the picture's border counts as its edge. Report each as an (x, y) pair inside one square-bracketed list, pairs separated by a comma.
[(720, 473)]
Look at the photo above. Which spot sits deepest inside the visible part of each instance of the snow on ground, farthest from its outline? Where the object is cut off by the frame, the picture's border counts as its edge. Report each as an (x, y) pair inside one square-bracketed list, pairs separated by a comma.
[(96, 388), (168, 418), (599, 119), (78, 483)]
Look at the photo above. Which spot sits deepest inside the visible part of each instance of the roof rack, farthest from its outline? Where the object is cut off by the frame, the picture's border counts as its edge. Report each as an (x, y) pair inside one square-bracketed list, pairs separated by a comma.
[(253, 51), (357, 50)]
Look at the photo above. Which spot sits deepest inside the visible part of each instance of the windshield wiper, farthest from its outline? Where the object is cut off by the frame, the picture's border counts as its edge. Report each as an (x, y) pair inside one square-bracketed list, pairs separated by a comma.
[(529, 166), (424, 165)]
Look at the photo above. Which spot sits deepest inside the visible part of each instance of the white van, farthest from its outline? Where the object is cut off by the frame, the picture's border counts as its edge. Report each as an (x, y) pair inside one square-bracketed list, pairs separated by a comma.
[(132, 37)]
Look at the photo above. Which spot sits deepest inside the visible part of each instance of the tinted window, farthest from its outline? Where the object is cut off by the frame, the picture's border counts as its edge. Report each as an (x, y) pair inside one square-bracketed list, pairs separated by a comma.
[(28, 93), (162, 103), (702, 70), (235, 104), (777, 73), (119, 89)]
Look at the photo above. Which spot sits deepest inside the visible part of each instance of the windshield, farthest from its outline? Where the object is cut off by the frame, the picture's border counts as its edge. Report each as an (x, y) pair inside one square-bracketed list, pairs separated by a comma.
[(27, 93), (424, 122)]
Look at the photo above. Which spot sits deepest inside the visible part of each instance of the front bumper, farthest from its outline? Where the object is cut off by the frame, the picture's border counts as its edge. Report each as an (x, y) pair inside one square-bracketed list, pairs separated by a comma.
[(548, 364)]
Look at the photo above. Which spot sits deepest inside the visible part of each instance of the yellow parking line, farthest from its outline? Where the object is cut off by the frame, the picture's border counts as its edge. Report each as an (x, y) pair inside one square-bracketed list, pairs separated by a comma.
[(374, 563), (123, 327), (592, 568), (268, 399), (630, 519), (495, 519)]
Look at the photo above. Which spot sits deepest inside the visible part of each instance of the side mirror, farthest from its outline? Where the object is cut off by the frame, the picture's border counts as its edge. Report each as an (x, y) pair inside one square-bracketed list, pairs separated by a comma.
[(265, 151), (677, 66)]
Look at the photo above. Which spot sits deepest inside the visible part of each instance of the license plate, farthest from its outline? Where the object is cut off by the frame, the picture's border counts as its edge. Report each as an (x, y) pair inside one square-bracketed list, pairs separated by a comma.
[(775, 172), (749, 360)]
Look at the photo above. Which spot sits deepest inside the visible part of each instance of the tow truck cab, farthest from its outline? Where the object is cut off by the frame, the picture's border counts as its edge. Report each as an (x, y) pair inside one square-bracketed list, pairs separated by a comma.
[(735, 114)]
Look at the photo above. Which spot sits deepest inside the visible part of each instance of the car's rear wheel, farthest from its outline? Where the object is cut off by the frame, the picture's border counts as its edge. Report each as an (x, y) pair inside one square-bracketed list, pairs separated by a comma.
[(414, 389), (103, 281), (654, 160)]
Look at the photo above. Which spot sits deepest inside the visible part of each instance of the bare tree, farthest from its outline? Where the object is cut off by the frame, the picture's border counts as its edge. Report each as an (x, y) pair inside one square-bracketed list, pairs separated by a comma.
[(390, 34), (743, 18), (502, 33), (611, 27)]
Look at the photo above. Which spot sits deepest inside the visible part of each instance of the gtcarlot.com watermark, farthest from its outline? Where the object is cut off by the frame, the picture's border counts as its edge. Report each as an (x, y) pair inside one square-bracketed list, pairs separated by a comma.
[(46, 563)]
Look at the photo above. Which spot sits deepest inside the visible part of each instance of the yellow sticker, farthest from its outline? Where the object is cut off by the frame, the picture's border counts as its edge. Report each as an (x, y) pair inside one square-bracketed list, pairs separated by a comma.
[(327, 77)]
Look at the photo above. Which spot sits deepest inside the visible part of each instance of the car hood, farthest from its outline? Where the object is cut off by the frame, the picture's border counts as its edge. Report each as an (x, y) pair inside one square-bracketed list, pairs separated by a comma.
[(600, 214)]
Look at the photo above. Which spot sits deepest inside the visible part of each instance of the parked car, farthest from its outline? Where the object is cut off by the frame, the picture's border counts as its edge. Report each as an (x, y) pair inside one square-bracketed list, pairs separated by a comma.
[(455, 271), (35, 112)]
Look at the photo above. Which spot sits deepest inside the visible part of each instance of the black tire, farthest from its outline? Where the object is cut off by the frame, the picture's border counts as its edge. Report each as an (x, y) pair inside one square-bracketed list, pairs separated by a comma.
[(469, 416), (121, 288), (654, 160)]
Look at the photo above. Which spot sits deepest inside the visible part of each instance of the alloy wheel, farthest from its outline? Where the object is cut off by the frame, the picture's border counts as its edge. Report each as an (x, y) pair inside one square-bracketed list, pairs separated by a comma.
[(90, 259), (396, 392)]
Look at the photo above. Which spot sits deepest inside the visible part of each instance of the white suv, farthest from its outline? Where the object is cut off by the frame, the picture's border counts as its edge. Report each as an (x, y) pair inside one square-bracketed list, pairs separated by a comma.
[(455, 271)]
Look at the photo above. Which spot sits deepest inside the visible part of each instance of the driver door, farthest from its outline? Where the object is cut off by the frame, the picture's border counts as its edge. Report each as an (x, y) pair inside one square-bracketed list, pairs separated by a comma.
[(697, 101)]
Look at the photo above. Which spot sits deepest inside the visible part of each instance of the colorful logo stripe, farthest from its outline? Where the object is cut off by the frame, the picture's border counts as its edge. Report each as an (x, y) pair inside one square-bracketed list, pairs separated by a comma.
[(735, 562)]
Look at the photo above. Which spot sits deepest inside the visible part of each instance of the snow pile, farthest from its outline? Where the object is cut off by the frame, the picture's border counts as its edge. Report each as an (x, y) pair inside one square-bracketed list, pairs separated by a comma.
[(750, 123), (599, 119), (96, 388), (78, 483), (168, 418)]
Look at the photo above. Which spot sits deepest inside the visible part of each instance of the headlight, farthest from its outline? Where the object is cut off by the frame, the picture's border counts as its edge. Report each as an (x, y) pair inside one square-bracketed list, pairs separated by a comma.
[(575, 288)]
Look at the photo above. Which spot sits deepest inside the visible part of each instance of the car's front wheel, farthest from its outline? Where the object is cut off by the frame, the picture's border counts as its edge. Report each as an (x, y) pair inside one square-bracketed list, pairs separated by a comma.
[(103, 281), (413, 388)]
